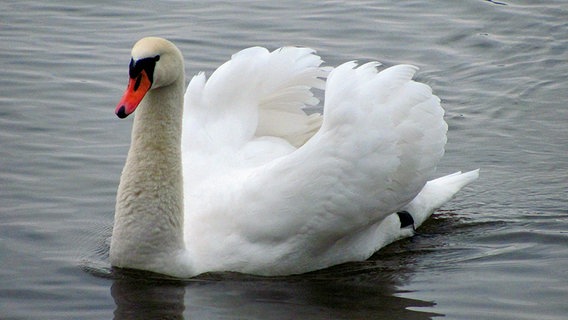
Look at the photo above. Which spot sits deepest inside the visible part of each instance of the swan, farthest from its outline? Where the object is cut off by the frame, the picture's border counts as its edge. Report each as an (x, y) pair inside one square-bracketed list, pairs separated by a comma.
[(233, 175)]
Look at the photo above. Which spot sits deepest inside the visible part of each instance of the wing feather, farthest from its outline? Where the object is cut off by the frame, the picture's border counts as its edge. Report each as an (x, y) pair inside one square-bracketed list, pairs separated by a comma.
[(249, 147), (256, 93), (381, 139)]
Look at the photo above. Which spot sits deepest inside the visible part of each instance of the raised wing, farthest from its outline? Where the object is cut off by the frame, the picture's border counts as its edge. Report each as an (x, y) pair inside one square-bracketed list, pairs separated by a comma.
[(381, 139), (247, 185), (256, 93)]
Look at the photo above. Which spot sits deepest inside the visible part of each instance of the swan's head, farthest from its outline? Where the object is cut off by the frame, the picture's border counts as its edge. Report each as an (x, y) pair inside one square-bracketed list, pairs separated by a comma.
[(155, 63)]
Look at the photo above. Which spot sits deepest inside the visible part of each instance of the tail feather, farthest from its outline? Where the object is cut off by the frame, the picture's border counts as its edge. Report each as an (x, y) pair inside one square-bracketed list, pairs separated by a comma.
[(437, 192)]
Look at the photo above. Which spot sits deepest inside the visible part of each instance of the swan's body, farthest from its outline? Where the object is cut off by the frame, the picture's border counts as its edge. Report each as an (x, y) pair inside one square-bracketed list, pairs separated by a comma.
[(254, 184)]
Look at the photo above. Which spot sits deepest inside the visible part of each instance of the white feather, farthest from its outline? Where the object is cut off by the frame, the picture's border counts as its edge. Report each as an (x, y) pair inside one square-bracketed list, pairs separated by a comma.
[(271, 190)]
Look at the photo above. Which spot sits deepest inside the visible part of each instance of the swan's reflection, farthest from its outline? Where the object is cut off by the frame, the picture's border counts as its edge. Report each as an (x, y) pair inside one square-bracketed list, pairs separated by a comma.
[(137, 298), (351, 291)]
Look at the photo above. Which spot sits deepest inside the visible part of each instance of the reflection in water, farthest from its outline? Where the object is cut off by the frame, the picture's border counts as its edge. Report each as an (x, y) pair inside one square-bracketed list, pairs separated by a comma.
[(350, 291), (148, 299), (362, 290)]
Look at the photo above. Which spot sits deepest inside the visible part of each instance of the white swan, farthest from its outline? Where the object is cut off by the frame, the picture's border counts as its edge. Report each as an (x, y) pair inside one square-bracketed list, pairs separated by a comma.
[(249, 183)]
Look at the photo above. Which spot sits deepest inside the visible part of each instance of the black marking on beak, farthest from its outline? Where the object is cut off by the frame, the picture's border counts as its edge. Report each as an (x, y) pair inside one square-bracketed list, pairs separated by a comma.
[(137, 83), (146, 64)]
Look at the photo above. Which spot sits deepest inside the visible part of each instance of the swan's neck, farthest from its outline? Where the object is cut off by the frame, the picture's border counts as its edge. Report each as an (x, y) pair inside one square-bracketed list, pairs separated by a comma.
[(148, 227)]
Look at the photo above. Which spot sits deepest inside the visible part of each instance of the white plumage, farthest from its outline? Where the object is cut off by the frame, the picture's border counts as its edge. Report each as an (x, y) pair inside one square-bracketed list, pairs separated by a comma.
[(268, 189)]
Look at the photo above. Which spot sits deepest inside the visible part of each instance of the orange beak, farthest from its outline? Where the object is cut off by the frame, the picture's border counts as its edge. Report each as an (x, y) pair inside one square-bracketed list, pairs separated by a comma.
[(135, 92)]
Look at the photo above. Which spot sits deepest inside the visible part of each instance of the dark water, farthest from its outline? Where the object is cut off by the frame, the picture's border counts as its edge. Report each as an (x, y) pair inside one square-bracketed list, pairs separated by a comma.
[(498, 251)]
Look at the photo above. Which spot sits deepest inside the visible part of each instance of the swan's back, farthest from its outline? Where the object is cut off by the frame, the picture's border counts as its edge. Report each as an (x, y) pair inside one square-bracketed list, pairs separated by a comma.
[(271, 190)]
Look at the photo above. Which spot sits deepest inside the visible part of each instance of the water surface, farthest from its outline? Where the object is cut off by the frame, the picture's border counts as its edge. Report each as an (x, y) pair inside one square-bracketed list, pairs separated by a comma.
[(497, 251)]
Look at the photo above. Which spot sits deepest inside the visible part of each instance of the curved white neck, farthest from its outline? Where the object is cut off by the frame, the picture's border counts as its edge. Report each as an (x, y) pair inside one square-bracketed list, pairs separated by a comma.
[(148, 227)]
